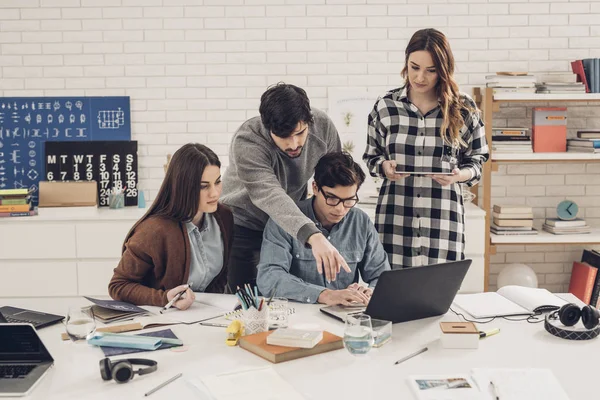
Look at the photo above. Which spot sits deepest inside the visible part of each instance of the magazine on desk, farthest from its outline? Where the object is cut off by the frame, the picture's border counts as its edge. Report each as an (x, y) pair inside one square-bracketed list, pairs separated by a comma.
[(507, 301)]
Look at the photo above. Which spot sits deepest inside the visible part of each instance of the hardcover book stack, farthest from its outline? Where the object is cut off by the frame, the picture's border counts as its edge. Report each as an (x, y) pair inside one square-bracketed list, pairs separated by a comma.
[(511, 82), (586, 142), (559, 83), (511, 140), (16, 203), (563, 227), (585, 279), (512, 220)]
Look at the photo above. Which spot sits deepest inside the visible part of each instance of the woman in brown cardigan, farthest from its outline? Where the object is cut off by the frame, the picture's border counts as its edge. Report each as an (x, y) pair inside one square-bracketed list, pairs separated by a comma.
[(184, 237)]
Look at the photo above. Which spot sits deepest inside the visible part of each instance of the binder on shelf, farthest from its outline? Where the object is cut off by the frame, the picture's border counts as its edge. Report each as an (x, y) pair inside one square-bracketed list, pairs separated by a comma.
[(549, 129)]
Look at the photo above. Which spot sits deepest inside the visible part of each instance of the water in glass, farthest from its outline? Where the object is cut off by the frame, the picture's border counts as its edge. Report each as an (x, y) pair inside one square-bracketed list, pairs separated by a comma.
[(358, 334), (80, 323)]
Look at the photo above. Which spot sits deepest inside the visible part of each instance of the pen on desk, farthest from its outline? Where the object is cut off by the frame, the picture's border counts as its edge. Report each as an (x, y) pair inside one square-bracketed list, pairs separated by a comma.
[(408, 357), (483, 334), (494, 391), (175, 298), (165, 383), (213, 324)]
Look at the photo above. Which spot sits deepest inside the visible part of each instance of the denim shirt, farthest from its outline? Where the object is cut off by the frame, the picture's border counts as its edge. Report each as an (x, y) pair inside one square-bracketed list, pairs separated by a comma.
[(288, 269), (206, 252)]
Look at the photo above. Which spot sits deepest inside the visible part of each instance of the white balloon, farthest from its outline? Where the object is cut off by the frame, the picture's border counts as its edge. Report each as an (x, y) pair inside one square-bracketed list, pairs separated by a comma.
[(517, 274)]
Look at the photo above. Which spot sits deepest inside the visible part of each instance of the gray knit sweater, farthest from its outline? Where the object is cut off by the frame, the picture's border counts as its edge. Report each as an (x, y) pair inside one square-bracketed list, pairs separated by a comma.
[(262, 181)]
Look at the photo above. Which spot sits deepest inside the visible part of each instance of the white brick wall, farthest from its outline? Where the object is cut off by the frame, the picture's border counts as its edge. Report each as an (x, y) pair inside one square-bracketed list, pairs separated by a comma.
[(195, 70)]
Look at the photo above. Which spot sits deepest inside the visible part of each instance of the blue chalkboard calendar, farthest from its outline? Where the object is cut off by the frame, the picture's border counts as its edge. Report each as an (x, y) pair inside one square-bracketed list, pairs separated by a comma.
[(27, 123)]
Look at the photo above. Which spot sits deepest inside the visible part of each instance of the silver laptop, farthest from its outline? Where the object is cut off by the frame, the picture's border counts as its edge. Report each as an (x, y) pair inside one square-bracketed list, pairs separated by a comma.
[(410, 293), (23, 359)]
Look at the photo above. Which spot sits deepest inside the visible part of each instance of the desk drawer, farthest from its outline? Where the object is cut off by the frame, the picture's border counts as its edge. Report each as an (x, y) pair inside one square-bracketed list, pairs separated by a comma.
[(38, 278), (37, 241), (474, 236), (101, 239)]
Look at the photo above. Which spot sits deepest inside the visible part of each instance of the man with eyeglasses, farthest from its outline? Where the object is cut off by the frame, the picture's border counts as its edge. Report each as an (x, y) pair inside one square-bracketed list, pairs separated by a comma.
[(287, 267)]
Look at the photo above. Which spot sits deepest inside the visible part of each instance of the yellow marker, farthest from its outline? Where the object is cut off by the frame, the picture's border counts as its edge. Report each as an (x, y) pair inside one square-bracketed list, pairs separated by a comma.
[(234, 331), (488, 333)]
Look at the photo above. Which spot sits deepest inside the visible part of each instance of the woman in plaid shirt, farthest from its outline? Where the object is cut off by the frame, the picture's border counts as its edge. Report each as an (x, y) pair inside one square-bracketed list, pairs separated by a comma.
[(424, 127)]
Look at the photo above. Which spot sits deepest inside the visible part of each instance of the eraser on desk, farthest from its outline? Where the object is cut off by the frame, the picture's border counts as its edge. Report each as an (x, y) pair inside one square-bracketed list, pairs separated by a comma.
[(459, 335)]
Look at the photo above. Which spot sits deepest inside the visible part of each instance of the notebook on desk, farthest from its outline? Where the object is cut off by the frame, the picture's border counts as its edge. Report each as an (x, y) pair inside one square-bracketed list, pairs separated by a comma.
[(508, 301)]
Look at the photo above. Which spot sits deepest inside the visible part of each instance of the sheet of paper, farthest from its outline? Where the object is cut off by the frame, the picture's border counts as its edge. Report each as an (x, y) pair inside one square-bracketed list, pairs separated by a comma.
[(196, 313), (225, 302), (254, 384), (519, 384), (530, 298), (488, 304)]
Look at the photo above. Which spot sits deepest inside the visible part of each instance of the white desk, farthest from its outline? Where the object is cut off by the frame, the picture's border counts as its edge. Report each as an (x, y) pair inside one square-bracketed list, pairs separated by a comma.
[(334, 375)]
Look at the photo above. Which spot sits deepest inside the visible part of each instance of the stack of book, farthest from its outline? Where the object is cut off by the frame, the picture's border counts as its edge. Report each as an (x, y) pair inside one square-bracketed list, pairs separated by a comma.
[(586, 142), (511, 82), (588, 71), (559, 82), (511, 140), (16, 203), (512, 220), (562, 227)]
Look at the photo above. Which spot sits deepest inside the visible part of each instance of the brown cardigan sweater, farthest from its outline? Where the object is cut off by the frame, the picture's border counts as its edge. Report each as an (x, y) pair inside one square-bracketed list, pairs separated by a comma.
[(156, 258)]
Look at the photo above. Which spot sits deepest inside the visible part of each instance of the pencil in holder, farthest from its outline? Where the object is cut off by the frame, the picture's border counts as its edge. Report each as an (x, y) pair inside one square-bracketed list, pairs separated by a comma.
[(255, 321), (116, 200)]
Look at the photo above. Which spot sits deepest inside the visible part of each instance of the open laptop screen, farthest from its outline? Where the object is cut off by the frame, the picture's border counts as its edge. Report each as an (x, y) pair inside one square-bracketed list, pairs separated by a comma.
[(20, 342)]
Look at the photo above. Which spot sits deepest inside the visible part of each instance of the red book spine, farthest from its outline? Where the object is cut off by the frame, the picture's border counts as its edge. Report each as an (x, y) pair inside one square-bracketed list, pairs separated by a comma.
[(583, 278)]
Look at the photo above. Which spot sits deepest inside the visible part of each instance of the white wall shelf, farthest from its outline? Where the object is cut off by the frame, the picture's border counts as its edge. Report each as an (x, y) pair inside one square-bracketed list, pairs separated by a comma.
[(544, 157), (546, 97), (544, 237)]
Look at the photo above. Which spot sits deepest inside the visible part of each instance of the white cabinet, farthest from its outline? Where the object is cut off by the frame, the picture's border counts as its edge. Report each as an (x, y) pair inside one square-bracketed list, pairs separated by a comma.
[(73, 251), (63, 251), (474, 245)]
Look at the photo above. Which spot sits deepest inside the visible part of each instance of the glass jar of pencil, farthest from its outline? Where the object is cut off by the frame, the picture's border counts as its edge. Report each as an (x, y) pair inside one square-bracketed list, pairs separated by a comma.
[(255, 311)]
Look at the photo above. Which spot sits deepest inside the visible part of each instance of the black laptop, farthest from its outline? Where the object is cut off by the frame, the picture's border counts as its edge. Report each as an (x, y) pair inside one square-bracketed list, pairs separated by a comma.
[(36, 318), (23, 359), (410, 293)]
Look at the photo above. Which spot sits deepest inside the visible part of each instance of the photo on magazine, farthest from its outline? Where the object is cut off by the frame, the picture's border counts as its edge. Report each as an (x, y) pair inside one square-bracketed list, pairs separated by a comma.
[(448, 383)]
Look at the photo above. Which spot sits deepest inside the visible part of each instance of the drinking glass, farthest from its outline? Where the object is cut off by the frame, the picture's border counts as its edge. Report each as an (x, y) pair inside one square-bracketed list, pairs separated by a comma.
[(358, 334), (278, 313), (80, 323)]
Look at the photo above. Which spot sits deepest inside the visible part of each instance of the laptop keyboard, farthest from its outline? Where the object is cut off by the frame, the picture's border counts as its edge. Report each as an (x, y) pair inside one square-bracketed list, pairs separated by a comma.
[(21, 321), (15, 371)]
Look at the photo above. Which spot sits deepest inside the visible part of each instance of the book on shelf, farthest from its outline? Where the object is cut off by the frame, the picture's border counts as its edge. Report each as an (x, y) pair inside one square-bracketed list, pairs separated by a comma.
[(588, 134), (513, 222), (515, 209), (509, 131), (257, 344), (553, 77), (560, 223), (582, 149), (513, 232), (505, 215), (577, 68), (19, 214), (510, 139), (510, 228), (15, 208), (583, 281), (595, 143), (567, 231), (592, 257), (502, 90)]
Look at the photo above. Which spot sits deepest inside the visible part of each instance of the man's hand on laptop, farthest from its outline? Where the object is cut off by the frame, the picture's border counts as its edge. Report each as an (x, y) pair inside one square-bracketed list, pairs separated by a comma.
[(346, 297), (329, 260), (363, 289)]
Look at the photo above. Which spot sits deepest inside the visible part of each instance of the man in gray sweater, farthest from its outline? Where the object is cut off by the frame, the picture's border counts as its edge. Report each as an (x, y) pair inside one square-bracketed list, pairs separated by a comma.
[(271, 159)]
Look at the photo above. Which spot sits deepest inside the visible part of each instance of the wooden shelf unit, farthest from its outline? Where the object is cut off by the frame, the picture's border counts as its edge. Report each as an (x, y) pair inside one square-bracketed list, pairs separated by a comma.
[(488, 103)]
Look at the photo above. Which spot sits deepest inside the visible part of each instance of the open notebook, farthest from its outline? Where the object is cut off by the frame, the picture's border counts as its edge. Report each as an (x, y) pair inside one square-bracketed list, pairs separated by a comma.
[(507, 301)]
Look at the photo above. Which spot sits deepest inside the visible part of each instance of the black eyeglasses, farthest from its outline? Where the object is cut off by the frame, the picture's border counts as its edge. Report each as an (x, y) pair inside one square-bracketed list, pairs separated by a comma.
[(334, 200)]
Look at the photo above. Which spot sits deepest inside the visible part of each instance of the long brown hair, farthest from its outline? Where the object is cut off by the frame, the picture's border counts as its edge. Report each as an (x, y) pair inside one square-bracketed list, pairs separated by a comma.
[(179, 195), (434, 42)]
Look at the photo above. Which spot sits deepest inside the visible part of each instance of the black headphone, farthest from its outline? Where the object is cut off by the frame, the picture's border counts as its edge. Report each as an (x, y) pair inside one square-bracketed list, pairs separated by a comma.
[(122, 370), (569, 315)]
